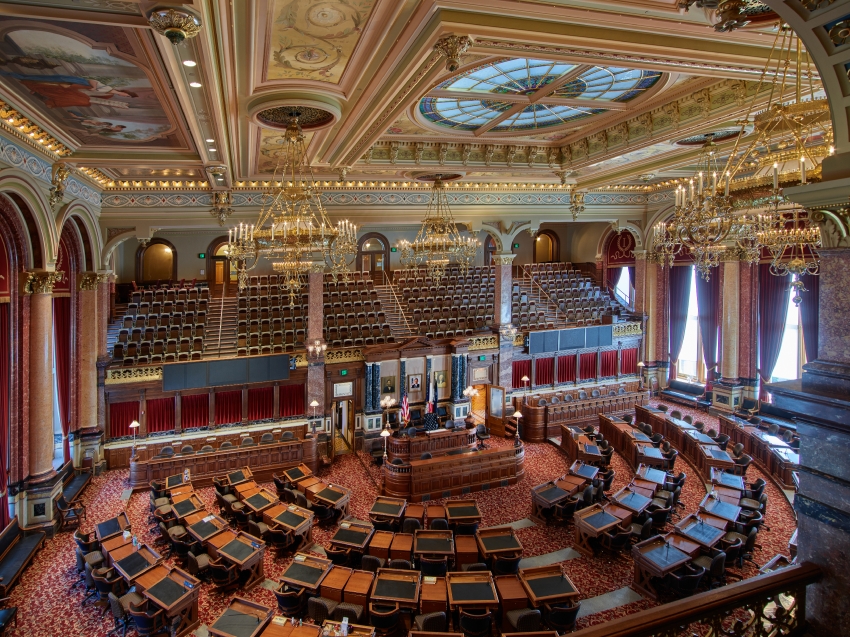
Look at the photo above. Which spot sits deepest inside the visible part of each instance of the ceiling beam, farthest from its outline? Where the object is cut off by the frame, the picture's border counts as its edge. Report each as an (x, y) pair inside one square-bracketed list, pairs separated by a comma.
[(514, 98)]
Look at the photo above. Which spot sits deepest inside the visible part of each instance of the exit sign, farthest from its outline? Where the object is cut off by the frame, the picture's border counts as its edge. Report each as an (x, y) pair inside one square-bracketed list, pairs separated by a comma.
[(202, 255), (516, 245), (393, 249), (344, 372), (482, 358)]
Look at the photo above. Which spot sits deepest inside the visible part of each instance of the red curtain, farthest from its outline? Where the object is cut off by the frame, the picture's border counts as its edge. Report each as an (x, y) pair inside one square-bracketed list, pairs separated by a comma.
[(291, 400), (520, 369), (628, 361), (809, 315), (194, 411), (120, 417), (587, 366), (228, 407), (544, 371), (708, 304), (567, 369), (62, 354), (773, 310), (159, 415), (609, 363), (680, 291), (261, 403), (5, 378)]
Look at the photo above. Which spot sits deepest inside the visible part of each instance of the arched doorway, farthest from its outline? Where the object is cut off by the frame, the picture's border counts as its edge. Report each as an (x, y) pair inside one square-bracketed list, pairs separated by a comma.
[(546, 247), (156, 262), (220, 270), (489, 250), (373, 254)]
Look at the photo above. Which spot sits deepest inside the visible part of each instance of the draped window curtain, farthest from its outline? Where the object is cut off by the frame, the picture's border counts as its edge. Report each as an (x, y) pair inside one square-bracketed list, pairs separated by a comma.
[(62, 356), (544, 371), (773, 310), (609, 363), (520, 369), (194, 411), (261, 403), (708, 300), (587, 366), (159, 415), (567, 369), (680, 288), (628, 361), (809, 315), (228, 407), (291, 400), (631, 269), (5, 379), (612, 276), (120, 417)]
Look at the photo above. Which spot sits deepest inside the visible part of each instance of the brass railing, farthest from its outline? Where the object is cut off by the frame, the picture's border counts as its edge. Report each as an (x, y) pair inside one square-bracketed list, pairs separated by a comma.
[(765, 606)]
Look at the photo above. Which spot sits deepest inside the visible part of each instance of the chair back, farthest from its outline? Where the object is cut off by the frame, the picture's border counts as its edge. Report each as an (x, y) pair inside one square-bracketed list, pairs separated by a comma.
[(370, 563), (289, 601), (507, 566), (687, 584), (403, 565), (440, 524), (466, 528), (411, 525), (319, 609), (437, 567), (384, 618), (339, 557), (476, 625), (187, 449), (528, 621), (117, 609), (433, 623), (562, 617)]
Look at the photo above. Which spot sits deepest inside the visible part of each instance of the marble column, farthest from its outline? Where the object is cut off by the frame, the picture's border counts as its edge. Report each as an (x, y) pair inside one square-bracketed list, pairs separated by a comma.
[(89, 348), (103, 358), (429, 365), (41, 375), (276, 402), (640, 281), (730, 295), (178, 413), (748, 328), (376, 387), (315, 312), (455, 397), (368, 406), (503, 266)]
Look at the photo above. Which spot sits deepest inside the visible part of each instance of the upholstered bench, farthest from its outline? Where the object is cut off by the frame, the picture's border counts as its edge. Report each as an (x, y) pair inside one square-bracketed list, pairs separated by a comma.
[(686, 394), (16, 552), (74, 482)]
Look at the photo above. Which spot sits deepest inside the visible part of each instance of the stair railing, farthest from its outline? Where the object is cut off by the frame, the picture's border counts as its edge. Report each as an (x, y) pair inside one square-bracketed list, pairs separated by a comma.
[(221, 316), (543, 294), (401, 313)]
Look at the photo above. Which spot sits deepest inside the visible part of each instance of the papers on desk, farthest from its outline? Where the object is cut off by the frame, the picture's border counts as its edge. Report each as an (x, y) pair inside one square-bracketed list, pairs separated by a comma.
[(300, 558), (209, 518)]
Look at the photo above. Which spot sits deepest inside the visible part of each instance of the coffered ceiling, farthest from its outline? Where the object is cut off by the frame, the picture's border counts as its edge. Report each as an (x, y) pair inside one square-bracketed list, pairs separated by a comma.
[(579, 92)]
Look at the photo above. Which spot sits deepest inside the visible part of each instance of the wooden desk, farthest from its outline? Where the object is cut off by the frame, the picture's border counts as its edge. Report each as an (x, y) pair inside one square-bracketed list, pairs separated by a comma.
[(628, 498), (285, 627), (592, 522), (498, 541), (174, 481), (180, 497), (332, 496), (572, 484), (167, 588), (649, 456), (727, 494), (512, 596), (776, 563), (111, 527), (582, 470), (241, 618), (306, 483), (435, 512), (306, 571), (239, 476), (131, 562), (114, 543), (355, 630), (434, 596), (547, 585), (402, 546), (416, 512), (720, 508), (353, 535), (187, 507), (783, 463), (712, 456), (589, 452), (725, 479), (379, 545), (655, 558), (462, 511), (474, 589), (683, 543), (545, 496), (290, 517), (180, 490), (296, 474), (396, 587), (624, 515), (246, 551), (204, 528), (643, 487), (334, 583), (466, 551), (384, 507), (436, 543), (246, 489), (651, 474), (706, 529), (260, 501), (357, 588)]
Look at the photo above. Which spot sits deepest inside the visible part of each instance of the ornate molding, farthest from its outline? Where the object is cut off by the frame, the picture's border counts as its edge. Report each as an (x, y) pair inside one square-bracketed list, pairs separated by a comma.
[(631, 328), (503, 259), (124, 375), (350, 355), (88, 281), (58, 178), (483, 342), (452, 47), (41, 282)]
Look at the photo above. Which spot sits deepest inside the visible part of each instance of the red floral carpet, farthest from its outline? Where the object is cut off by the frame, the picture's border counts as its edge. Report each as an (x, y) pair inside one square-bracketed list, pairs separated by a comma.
[(46, 607)]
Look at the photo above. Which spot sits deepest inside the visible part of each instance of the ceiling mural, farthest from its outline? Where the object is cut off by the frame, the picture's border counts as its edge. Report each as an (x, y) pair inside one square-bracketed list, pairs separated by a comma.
[(96, 91), (314, 39), (271, 149)]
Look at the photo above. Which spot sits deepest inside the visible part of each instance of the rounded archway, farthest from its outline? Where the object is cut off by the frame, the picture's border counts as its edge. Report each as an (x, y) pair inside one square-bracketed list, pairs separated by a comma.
[(489, 249), (155, 262), (373, 254), (547, 247)]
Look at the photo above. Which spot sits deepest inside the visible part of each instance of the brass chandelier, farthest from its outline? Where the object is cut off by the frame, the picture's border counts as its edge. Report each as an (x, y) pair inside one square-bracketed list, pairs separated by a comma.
[(293, 229), (439, 243), (752, 216)]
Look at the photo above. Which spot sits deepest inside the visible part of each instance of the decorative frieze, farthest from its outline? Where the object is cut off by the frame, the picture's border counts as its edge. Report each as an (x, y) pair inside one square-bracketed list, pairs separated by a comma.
[(483, 342), (139, 374), (349, 355), (631, 328)]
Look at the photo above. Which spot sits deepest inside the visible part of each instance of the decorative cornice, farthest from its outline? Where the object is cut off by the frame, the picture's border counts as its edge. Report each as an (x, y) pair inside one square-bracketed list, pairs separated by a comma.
[(350, 355), (124, 375), (88, 281), (632, 328), (300, 360), (30, 132), (483, 342), (41, 282)]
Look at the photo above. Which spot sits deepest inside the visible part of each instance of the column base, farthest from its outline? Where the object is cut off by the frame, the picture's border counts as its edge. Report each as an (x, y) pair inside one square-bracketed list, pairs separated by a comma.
[(460, 410), (90, 445), (36, 509), (727, 398)]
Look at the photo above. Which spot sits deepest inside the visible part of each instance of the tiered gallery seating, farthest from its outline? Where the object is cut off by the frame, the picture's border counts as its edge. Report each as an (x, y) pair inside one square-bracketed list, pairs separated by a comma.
[(576, 296), (352, 313), (270, 320)]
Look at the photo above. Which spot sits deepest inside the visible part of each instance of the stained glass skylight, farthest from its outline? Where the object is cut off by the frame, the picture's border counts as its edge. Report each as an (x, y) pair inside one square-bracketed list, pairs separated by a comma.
[(524, 77)]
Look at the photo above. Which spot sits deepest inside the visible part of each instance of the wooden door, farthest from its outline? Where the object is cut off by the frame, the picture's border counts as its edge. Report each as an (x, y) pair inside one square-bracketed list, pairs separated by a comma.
[(496, 415), (219, 272)]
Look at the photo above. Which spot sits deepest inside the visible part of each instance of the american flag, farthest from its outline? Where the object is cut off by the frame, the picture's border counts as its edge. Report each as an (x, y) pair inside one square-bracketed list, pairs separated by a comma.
[(429, 408), (405, 408)]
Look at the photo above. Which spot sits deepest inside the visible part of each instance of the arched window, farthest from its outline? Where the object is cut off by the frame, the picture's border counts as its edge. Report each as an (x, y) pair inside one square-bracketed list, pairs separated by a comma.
[(156, 262), (373, 253), (546, 247)]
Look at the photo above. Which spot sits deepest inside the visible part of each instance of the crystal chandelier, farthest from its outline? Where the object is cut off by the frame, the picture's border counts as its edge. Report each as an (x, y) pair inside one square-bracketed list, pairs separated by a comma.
[(293, 230), (792, 242), (438, 244)]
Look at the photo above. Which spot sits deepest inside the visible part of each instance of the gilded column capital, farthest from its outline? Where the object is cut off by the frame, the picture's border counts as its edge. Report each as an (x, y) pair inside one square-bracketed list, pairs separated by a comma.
[(503, 259), (41, 282), (103, 278), (640, 255), (87, 281)]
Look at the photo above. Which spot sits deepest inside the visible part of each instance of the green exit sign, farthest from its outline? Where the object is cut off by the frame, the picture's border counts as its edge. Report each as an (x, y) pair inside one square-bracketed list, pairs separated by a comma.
[(516, 245), (482, 358), (344, 372), (393, 249), (202, 255)]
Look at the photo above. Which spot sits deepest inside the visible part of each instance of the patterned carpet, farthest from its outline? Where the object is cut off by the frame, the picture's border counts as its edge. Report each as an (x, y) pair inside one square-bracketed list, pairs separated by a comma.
[(46, 608)]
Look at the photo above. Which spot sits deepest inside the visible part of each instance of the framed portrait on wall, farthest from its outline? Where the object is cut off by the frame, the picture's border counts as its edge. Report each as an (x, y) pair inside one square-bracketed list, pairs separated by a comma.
[(388, 384), (440, 379), (414, 382), (497, 402)]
